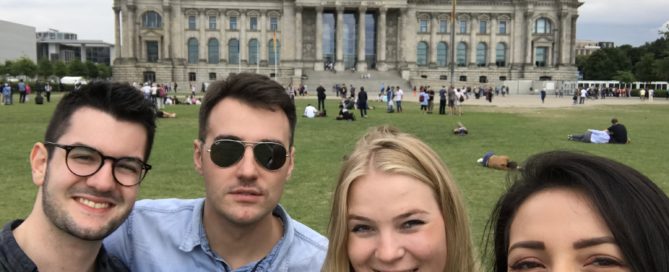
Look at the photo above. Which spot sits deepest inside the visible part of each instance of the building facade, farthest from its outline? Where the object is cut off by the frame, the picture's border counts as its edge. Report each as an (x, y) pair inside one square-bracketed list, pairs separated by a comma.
[(201, 40), (55, 45), (18, 41)]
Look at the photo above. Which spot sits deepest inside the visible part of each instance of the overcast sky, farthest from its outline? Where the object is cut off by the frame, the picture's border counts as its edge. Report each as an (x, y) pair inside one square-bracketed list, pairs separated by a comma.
[(621, 21)]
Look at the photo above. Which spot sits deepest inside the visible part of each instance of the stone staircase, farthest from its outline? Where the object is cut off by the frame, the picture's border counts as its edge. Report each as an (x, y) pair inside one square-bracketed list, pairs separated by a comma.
[(372, 84)]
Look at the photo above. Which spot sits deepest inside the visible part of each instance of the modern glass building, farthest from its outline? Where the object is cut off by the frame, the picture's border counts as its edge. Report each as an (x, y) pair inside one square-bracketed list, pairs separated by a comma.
[(487, 40)]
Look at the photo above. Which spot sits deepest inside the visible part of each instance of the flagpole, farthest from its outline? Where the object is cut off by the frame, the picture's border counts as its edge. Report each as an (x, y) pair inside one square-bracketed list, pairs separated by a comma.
[(453, 47)]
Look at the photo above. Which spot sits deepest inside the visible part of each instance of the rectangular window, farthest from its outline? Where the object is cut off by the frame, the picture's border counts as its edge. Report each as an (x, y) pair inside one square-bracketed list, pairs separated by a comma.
[(212, 22), (502, 27), (274, 24), (233, 23), (191, 76), (463, 26), (423, 25), (443, 26), (152, 51), (191, 22), (212, 76), (483, 27), (253, 23), (540, 56)]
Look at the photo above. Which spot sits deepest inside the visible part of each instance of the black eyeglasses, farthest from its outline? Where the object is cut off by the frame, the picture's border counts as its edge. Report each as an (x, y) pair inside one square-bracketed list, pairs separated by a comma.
[(227, 152), (84, 161)]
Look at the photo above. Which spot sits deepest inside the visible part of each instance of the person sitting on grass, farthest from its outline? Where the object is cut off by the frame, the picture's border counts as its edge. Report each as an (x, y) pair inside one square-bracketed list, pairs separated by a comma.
[(460, 130), (310, 111)]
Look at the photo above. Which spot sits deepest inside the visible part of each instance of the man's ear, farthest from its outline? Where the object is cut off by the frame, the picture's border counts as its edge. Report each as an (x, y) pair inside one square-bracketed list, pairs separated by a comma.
[(39, 157), (197, 155)]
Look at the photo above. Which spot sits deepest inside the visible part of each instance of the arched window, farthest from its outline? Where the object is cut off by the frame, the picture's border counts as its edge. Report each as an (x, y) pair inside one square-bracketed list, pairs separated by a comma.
[(462, 54), (253, 51), (233, 51), (442, 54), (192, 51), (213, 57), (500, 55), (542, 26), (274, 58), (421, 58), (481, 53), (151, 19)]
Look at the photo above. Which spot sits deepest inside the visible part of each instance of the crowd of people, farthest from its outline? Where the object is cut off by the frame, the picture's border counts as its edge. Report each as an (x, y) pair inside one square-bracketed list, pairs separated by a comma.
[(395, 207)]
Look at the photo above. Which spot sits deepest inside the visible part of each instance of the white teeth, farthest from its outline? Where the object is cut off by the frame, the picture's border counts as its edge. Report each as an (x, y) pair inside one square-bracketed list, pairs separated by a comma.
[(93, 204)]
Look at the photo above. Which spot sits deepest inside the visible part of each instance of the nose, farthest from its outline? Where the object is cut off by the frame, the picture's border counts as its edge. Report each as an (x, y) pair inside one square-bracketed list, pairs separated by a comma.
[(247, 165), (389, 249), (103, 180)]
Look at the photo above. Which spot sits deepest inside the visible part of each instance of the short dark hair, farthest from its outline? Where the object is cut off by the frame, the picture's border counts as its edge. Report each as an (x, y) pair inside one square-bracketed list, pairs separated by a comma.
[(122, 101), (614, 120), (256, 90), (634, 209)]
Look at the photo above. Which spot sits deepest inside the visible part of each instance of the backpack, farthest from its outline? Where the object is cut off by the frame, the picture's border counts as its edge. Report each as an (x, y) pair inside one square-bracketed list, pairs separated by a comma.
[(421, 98)]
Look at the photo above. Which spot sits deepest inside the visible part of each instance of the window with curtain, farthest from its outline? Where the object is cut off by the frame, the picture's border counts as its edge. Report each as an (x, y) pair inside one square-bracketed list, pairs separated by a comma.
[(500, 55), (443, 26), (213, 49), (462, 54), (274, 58), (233, 22), (542, 26), (253, 23), (422, 25), (463, 26), (483, 27), (481, 53), (192, 51), (152, 19), (421, 58), (233, 51), (212, 22), (253, 51), (191, 22), (502, 27), (442, 54)]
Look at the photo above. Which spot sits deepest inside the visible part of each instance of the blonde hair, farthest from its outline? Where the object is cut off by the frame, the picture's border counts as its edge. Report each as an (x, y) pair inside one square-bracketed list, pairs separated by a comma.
[(388, 150)]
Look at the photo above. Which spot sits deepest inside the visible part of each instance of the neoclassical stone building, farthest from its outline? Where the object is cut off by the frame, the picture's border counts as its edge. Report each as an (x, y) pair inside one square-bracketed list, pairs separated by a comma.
[(202, 40)]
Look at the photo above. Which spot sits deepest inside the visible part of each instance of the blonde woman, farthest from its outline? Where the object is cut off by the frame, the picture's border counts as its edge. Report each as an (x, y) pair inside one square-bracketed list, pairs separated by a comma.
[(397, 208)]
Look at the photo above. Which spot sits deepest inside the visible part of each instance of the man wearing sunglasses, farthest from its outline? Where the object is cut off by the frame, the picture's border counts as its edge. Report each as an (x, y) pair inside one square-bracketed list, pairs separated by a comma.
[(87, 171), (245, 153)]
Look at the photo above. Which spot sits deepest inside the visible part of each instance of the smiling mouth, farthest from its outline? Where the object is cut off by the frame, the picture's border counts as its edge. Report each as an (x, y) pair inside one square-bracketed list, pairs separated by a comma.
[(406, 270), (92, 204)]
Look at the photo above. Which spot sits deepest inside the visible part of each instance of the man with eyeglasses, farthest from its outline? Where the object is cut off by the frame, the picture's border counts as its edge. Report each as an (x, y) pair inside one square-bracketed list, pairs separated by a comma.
[(87, 171), (245, 153)]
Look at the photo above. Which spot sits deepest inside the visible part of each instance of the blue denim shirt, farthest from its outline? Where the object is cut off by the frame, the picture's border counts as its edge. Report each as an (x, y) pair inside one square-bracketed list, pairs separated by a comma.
[(168, 235)]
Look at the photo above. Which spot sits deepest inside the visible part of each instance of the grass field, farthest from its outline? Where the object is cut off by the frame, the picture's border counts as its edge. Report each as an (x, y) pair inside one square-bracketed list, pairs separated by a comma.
[(321, 143)]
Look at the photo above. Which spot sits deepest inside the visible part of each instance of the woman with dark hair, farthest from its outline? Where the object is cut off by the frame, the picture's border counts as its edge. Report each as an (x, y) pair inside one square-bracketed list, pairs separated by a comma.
[(577, 212)]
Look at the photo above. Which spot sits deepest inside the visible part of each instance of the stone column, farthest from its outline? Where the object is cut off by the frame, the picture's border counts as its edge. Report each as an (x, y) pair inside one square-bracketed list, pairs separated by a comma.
[(473, 28), (132, 37), (298, 34), (564, 39), (318, 65), (381, 41), (263, 38), (432, 51), (528, 40), (361, 65), (223, 41), (202, 40), (518, 40), (82, 52), (339, 58), (243, 43), (492, 47), (167, 27), (572, 40), (117, 33)]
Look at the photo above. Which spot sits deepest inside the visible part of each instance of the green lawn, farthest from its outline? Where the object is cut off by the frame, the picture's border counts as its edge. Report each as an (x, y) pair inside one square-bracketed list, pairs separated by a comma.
[(322, 142)]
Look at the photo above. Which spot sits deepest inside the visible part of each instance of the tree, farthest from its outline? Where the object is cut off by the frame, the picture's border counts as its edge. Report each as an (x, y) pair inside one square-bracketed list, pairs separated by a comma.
[(44, 68), (77, 68), (661, 68), (644, 68), (104, 71), (92, 70), (25, 66), (604, 63), (59, 69), (624, 77)]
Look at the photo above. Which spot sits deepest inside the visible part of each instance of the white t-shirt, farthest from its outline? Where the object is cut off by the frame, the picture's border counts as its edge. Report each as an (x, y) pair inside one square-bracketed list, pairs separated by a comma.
[(310, 111), (398, 95)]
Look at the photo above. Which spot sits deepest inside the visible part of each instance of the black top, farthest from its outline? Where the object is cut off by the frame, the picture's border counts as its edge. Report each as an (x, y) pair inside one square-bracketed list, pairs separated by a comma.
[(12, 257), (618, 134)]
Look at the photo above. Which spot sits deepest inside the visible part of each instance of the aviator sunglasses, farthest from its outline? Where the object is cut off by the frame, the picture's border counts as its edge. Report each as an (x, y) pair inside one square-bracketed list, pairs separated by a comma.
[(227, 152)]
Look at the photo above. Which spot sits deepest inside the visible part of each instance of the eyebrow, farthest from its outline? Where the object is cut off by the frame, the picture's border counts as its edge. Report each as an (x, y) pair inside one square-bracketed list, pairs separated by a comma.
[(399, 217), (529, 245), (594, 242), (235, 138)]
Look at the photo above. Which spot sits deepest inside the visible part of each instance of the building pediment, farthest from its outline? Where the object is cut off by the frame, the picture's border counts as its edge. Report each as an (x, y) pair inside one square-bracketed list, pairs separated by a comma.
[(543, 39)]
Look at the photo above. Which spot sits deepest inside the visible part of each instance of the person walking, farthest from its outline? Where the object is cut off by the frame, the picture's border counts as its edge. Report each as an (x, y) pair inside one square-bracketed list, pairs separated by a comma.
[(399, 94), (47, 92), (22, 91), (543, 95), (362, 102)]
